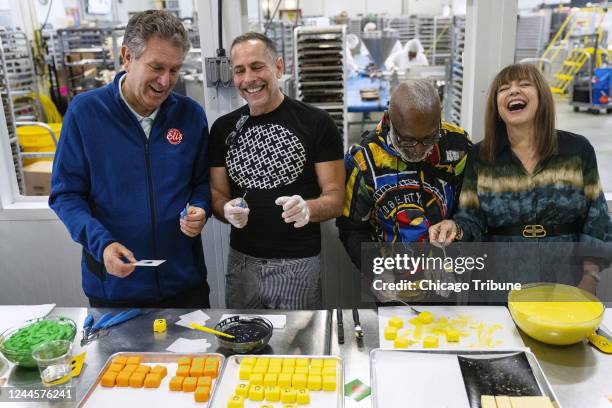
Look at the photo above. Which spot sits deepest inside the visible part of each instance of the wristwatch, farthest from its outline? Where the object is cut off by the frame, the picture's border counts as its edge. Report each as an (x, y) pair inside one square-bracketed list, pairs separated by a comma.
[(459, 234)]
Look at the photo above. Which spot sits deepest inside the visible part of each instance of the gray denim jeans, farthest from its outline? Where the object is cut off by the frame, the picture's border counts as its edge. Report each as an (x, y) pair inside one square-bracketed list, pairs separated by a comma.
[(259, 283)]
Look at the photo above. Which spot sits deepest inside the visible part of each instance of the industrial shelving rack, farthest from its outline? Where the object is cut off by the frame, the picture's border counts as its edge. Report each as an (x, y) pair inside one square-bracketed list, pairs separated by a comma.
[(402, 25), (53, 60), (86, 48), (453, 102), (354, 26), (194, 36), (320, 71), (17, 87), (532, 33), (413, 24), (426, 34), (281, 33), (442, 40)]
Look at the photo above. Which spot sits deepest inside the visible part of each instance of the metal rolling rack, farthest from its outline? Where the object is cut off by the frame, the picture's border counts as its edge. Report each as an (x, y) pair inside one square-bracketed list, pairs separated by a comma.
[(452, 108), (281, 32), (53, 60), (194, 36), (426, 33), (531, 36), (320, 71), (402, 25), (413, 25), (17, 85), (84, 49), (354, 26), (442, 40)]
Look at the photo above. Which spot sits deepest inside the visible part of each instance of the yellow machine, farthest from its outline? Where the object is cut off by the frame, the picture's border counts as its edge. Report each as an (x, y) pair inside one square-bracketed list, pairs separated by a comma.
[(581, 44)]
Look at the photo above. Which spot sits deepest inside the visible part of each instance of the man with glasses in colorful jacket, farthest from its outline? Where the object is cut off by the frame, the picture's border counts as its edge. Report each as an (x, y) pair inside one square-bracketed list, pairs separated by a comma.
[(404, 176)]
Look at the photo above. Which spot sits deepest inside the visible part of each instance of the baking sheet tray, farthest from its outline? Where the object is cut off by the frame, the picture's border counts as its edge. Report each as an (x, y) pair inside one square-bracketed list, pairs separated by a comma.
[(309, 75), (336, 52), (314, 37), (485, 324), (336, 69), (320, 60), (419, 375), (318, 399), (98, 396), (326, 84)]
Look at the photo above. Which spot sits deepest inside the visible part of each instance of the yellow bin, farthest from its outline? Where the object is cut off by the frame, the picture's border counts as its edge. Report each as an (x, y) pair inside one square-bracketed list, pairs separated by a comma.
[(37, 139)]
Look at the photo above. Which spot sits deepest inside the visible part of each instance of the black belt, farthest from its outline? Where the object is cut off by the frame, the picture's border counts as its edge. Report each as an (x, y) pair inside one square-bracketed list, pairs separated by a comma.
[(535, 230)]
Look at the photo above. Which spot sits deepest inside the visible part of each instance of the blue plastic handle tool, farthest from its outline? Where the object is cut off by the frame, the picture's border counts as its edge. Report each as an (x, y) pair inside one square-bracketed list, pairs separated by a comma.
[(105, 317), (185, 211), (121, 317), (88, 321), (242, 203)]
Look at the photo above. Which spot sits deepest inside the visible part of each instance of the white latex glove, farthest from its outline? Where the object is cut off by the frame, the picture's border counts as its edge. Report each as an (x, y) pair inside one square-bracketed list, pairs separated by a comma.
[(295, 209), (235, 214)]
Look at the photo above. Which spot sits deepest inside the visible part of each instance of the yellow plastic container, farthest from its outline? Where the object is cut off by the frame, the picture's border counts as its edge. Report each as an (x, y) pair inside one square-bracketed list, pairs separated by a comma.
[(554, 313), (37, 139)]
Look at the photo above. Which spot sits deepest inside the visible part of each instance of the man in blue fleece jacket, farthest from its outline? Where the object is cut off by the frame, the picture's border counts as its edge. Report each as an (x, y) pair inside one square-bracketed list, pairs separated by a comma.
[(132, 155)]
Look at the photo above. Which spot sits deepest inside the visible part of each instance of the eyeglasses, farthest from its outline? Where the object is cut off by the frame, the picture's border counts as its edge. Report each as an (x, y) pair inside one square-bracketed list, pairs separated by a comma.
[(233, 136), (408, 142)]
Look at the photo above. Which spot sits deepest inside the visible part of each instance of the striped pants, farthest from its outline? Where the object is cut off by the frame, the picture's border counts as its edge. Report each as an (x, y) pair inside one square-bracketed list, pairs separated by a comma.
[(259, 283)]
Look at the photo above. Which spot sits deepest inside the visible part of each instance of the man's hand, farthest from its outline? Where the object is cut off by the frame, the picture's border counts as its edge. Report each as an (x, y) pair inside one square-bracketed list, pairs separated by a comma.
[(193, 222), (235, 214), (295, 209), (443, 233), (114, 255)]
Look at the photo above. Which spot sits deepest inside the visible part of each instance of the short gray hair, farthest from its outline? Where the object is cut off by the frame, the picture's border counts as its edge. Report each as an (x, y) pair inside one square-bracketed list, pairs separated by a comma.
[(418, 95), (154, 23), (252, 35)]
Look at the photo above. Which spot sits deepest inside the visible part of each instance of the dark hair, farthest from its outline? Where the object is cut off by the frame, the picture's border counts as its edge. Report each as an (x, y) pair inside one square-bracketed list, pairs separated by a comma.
[(544, 122), (252, 35), (150, 23)]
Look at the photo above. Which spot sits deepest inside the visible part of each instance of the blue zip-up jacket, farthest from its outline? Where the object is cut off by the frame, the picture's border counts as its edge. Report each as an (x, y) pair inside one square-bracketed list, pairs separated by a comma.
[(111, 184)]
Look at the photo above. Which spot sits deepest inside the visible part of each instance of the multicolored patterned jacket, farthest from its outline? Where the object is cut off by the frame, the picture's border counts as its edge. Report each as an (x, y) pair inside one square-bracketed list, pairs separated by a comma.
[(390, 200)]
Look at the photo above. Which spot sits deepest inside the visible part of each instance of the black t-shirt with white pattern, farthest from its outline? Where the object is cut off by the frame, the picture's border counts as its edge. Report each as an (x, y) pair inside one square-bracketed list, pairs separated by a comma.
[(274, 155)]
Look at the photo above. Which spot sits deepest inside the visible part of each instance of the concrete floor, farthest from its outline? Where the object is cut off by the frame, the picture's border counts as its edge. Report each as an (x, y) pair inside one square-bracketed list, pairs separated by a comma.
[(596, 128)]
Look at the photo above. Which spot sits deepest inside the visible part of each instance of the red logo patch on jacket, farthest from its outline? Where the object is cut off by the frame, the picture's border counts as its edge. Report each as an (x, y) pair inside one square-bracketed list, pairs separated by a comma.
[(174, 136)]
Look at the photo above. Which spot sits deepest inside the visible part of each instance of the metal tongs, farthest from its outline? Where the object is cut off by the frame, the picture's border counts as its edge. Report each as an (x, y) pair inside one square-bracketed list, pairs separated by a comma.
[(358, 329)]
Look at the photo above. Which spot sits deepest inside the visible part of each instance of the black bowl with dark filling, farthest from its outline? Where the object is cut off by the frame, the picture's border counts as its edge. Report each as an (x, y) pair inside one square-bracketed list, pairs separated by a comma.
[(252, 333)]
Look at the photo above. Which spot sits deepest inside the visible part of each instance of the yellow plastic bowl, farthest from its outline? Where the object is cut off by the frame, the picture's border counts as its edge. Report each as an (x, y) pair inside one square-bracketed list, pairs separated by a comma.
[(554, 313)]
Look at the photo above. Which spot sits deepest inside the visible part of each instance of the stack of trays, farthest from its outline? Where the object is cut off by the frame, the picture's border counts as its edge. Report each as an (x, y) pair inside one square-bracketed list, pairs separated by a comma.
[(320, 71)]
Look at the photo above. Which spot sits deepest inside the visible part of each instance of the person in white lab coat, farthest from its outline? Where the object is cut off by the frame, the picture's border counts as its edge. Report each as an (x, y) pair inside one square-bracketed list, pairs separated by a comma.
[(412, 54)]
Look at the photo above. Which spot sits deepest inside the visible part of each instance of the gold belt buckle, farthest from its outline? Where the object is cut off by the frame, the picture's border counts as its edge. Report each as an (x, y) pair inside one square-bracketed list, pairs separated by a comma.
[(534, 231)]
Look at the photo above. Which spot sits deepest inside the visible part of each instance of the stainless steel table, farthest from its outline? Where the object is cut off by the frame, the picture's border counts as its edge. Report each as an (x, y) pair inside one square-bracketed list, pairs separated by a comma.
[(580, 375), (306, 332)]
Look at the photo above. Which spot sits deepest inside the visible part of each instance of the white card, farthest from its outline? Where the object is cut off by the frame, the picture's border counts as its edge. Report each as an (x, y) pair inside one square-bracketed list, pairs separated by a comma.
[(196, 316), (182, 345), (149, 262)]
